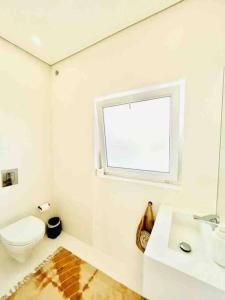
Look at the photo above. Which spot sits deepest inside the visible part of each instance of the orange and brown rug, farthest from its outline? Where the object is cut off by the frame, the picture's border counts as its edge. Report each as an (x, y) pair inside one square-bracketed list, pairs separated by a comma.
[(65, 276)]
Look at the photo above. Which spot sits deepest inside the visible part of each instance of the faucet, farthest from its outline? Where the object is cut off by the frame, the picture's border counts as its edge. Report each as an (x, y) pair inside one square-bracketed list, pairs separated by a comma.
[(212, 220)]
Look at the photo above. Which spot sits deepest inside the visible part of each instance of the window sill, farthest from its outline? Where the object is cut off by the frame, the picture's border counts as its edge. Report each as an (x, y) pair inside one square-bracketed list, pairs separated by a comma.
[(141, 182)]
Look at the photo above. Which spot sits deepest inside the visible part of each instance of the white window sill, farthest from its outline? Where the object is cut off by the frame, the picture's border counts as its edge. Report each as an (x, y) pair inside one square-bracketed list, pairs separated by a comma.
[(141, 182)]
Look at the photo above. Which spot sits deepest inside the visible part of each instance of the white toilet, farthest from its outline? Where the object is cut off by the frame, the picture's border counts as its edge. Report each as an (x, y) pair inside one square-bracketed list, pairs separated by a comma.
[(19, 238)]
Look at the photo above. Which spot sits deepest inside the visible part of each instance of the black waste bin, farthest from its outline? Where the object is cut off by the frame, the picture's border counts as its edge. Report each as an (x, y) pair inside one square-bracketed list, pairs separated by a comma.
[(54, 227)]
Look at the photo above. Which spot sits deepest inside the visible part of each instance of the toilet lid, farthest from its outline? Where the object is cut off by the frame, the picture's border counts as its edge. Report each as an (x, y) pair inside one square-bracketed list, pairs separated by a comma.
[(23, 232)]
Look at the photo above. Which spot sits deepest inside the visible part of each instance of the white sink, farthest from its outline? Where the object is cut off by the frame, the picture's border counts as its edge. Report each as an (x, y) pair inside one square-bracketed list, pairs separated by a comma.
[(173, 227), (184, 228)]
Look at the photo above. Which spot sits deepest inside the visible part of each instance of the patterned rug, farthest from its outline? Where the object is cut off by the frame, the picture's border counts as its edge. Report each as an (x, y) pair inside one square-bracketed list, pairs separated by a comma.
[(65, 276)]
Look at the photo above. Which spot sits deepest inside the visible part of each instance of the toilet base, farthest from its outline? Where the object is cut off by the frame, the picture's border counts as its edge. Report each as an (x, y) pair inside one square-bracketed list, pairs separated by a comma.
[(21, 253)]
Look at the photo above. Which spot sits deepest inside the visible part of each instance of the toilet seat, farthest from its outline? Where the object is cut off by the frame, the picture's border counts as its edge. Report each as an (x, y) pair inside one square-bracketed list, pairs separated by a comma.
[(23, 232)]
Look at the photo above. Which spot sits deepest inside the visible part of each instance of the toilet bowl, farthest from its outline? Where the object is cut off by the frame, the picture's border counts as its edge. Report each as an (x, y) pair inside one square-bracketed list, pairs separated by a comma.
[(20, 238)]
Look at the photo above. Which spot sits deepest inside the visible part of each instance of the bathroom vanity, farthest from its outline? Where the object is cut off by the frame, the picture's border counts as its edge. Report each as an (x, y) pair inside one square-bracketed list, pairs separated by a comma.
[(173, 274)]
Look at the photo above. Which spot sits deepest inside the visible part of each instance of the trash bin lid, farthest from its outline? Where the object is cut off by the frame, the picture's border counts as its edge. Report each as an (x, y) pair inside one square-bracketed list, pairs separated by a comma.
[(54, 222)]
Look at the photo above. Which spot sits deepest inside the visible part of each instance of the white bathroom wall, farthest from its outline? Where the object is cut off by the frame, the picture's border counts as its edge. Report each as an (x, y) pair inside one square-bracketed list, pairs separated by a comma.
[(184, 42), (24, 131)]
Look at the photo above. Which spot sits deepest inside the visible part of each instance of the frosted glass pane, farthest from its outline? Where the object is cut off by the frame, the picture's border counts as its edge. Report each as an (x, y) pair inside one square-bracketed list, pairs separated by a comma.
[(137, 135)]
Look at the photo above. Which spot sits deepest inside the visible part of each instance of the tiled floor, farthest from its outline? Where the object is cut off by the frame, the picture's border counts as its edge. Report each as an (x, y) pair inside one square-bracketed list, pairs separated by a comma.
[(12, 272)]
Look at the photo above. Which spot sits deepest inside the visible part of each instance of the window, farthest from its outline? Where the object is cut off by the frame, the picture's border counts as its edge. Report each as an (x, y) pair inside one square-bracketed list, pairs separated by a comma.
[(140, 133)]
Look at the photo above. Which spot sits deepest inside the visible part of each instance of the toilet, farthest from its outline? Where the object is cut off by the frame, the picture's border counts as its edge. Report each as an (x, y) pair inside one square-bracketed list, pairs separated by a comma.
[(20, 238)]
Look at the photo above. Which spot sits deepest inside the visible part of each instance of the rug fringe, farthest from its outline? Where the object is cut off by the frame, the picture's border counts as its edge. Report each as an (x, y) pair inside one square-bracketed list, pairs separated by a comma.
[(26, 278)]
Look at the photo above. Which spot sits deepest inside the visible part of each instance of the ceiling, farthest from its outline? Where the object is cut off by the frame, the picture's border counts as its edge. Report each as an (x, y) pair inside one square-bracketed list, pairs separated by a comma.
[(55, 29)]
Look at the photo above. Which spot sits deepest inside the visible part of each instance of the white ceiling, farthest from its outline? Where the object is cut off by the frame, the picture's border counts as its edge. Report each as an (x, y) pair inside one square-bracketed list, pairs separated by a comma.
[(54, 29)]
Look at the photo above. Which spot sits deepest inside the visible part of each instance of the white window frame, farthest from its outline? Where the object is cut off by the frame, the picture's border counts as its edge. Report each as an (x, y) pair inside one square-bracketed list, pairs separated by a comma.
[(174, 90)]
